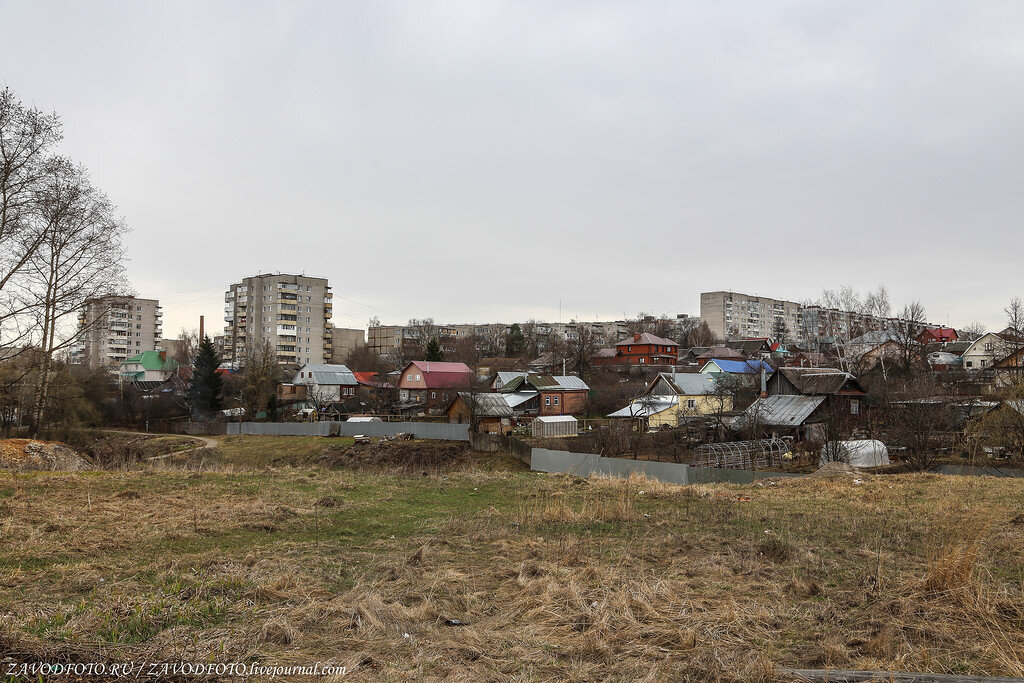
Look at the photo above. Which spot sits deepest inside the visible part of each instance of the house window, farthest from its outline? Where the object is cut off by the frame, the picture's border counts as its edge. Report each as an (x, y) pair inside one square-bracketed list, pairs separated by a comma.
[(691, 403), (433, 394), (547, 400), (969, 364), (643, 360), (854, 407), (556, 400)]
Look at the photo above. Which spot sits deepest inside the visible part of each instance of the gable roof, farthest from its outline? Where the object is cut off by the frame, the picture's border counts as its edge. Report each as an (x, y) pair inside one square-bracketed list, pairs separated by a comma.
[(606, 353), (325, 374), (646, 338), (782, 410), (151, 360), (647, 406), (873, 338), (749, 347), (544, 383), (739, 367), (369, 379), (939, 333), (442, 375), (489, 405), (723, 352), (687, 383), (821, 381)]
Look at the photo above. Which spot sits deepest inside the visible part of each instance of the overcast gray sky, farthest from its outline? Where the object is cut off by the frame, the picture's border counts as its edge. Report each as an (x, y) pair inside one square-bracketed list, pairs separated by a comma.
[(477, 161)]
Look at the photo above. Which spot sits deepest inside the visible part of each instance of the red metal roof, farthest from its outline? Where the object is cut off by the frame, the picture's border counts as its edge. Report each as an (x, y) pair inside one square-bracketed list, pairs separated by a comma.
[(942, 333), (442, 375), (646, 338), (369, 379)]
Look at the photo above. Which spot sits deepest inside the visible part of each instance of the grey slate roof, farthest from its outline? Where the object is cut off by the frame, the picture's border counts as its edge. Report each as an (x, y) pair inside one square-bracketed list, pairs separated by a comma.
[(782, 410), (489, 405), (690, 383)]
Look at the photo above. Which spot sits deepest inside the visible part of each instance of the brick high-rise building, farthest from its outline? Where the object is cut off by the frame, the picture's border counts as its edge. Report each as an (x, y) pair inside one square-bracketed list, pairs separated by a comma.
[(290, 312)]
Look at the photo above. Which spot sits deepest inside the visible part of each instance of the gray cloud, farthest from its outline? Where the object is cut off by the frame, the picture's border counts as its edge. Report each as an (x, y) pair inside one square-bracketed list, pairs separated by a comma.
[(482, 161)]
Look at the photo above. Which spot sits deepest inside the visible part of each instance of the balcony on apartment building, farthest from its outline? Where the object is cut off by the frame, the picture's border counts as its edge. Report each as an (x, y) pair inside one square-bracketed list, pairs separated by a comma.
[(286, 330), (287, 296)]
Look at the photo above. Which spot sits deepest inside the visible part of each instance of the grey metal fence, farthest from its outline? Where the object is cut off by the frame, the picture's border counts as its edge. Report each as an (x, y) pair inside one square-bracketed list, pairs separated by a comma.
[(586, 464), (419, 430)]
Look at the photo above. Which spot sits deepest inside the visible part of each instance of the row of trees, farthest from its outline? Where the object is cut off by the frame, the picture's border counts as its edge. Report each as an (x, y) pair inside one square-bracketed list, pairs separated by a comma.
[(60, 247), (426, 340)]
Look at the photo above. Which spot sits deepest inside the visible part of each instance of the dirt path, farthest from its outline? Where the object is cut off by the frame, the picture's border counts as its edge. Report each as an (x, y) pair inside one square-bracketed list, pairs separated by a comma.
[(207, 442)]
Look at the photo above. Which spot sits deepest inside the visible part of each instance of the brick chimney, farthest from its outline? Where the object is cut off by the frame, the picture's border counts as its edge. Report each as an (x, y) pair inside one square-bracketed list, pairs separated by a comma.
[(163, 356), (636, 336)]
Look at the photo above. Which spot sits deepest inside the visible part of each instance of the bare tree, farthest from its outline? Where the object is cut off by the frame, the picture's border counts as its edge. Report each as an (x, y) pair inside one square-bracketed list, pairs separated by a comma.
[(908, 328), (260, 377), (916, 419), (186, 348), (701, 335), (1014, 337), (26, 137), (971, 332), (581, 349), (78, 260)]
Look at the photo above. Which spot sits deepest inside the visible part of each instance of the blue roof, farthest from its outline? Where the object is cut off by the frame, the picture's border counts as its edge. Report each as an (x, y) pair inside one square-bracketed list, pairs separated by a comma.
[(742, 367)]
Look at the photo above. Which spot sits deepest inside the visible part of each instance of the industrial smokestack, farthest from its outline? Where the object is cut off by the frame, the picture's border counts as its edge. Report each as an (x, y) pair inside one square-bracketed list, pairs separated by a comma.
[(764, 382), (201, 328)]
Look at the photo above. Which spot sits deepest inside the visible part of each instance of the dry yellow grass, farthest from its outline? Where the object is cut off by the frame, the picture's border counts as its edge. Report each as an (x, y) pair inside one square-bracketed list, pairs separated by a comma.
[(548, 576)]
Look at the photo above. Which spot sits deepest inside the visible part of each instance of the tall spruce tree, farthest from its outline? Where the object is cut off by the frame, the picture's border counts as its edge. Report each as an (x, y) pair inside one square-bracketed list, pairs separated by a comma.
[(433, 351), (515, 341), (207, 384)]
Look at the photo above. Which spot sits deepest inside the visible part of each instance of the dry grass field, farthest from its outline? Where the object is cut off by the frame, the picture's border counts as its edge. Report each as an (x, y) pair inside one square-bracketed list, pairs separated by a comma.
[(461, 566)]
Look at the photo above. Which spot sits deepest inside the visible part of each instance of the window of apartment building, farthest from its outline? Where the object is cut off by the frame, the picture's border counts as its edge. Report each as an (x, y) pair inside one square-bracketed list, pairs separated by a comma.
[(308, 320), (138, 317)]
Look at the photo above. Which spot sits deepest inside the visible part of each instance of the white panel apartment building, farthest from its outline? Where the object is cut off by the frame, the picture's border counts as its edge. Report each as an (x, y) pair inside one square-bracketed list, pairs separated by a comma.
[(290, 312), (732, 315), (115, 328)]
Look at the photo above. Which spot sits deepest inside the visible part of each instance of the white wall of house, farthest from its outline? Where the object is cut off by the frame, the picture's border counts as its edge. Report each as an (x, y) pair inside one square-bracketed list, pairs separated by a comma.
[(985, 351)]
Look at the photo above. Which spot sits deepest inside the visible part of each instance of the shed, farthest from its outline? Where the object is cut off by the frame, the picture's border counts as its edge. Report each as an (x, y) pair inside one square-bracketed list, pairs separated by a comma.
[(555, 425), (364, 418)]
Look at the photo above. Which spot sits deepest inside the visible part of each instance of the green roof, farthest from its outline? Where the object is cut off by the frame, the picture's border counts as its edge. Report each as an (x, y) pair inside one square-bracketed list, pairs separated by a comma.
[(151, 360)]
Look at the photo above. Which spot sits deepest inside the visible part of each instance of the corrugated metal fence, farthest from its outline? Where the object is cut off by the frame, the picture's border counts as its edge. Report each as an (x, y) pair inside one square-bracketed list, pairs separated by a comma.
[(420, 430), (586, 464)]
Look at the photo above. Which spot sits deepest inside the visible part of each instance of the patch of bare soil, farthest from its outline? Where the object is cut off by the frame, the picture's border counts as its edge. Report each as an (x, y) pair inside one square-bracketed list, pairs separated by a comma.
[(400, 457), (835, 469), (29, 454)]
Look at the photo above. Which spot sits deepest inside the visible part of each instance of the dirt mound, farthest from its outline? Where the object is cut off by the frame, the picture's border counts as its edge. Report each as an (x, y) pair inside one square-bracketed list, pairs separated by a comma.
[(400, 457), (835, 469), (29, 454)]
